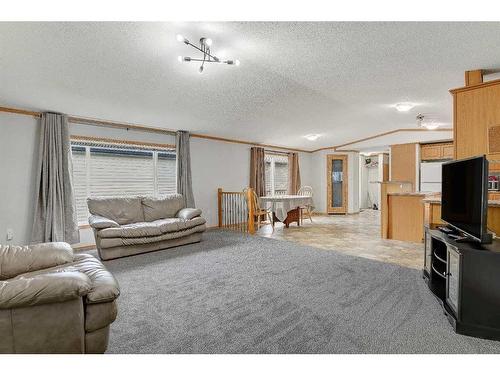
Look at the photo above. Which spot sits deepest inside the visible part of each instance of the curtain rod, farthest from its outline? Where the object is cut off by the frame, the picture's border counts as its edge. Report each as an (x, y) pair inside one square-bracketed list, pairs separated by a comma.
[(146, 128), (276, 152), (95, 122)]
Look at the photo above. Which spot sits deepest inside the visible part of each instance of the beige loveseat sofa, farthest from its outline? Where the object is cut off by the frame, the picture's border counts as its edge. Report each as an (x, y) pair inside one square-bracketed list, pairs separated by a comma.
[(128, 226), (53, 301)]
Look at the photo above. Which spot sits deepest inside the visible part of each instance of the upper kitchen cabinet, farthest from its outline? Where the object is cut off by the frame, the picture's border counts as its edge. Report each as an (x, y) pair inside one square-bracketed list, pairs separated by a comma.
[(404, 163), (476, 118), (436, 151)]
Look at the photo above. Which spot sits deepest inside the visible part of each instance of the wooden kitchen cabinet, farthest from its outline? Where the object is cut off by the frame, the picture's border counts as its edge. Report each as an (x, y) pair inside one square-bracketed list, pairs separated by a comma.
[(448, 150), (494, 196), (436, 151), (476, 117), (404, 163)]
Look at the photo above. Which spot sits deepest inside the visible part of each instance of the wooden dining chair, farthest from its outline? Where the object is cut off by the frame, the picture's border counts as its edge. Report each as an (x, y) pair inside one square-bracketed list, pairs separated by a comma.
[(259, 212), (307, 191)]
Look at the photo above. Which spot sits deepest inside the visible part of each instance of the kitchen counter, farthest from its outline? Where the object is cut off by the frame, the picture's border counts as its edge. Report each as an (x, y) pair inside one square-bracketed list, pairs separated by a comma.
[(432, 213), (405, 216), (437, 200), (413, 194)]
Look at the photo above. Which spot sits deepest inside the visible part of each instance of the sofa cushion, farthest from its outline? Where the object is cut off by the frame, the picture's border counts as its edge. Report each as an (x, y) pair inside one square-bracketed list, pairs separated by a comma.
[(154, 228), (40, 289), (188, 213), (123, 241), (162, 208), (99, 222), (176, 225), (120, 209), (104, 287), (16, 260), (143, 229)]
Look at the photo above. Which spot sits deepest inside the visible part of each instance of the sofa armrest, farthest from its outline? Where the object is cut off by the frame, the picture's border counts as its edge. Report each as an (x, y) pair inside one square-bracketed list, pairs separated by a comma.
[(15, 260), (100, 222), (104, 286), (42, 289), (188, 213)]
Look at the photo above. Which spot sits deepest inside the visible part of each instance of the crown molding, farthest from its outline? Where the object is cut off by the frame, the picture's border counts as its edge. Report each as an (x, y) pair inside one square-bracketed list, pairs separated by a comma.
[(474, 87), (336, 148), (129, 126), (122, 125)]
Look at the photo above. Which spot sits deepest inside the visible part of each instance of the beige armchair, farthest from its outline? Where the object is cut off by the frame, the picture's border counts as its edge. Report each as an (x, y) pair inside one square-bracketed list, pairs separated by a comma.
[(53, 301)]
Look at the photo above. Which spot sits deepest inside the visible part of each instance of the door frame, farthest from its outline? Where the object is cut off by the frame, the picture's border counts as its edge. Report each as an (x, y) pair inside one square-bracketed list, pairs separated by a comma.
[(345, 184)]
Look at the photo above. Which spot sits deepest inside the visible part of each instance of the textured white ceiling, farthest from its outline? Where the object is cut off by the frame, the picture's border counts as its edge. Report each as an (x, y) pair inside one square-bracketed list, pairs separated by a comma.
[(336, 79)]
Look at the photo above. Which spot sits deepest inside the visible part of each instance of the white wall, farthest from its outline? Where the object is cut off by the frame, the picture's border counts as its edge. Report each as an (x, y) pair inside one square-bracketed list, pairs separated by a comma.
[(225, 165), (363, 183), (318, 161), (214, 164), (18, 147)]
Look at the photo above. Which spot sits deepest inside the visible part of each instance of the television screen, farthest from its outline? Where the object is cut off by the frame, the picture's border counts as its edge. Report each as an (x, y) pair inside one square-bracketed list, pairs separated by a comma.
[(464, 200)]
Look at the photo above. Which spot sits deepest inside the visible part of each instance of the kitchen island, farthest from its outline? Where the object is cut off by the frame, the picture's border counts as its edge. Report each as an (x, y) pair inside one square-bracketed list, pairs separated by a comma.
[(432, 213), (405, 216)]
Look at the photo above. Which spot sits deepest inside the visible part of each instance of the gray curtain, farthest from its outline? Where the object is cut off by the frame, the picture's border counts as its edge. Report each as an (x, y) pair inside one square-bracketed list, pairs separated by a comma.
[(258, 171), (293, 173), (184, 182), (55, 210)]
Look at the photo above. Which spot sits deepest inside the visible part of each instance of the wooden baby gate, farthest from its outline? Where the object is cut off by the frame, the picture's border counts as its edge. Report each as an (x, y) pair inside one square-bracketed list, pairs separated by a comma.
[(236, 211)]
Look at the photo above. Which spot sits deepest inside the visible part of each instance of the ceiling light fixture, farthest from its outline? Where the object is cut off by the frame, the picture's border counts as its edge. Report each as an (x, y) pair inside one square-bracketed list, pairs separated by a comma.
[(404, 107), (312, 137), (204, 48), (429, 124)]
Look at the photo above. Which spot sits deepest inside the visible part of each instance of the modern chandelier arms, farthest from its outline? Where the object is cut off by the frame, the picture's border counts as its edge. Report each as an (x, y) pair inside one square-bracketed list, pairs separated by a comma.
[(204, 48)]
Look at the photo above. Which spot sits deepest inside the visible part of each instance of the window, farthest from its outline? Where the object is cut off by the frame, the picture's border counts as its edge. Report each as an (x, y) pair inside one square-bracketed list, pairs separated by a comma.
[(108, 169), (276, 174)]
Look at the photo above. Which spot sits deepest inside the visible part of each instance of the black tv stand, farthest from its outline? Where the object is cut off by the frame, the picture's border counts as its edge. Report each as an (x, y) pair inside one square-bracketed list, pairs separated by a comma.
[(460, 239), (465, 277), (447, 230)]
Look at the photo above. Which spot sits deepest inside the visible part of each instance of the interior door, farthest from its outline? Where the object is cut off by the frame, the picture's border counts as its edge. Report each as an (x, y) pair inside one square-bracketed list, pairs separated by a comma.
[(337, 184)]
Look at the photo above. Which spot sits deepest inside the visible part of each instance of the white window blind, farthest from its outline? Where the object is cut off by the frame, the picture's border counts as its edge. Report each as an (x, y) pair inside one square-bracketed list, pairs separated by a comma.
[(269, 185), (80, 182), (167, 183), (276, 170), (121, 173), (110, 170)]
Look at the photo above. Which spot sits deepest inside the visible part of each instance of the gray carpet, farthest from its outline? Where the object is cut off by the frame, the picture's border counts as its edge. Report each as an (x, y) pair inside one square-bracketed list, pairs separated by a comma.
[(234, 293)]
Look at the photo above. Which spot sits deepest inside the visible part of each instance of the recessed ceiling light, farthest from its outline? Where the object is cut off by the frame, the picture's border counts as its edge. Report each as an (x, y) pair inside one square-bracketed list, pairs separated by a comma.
[(312, 137), (404, 107), (430, 125)]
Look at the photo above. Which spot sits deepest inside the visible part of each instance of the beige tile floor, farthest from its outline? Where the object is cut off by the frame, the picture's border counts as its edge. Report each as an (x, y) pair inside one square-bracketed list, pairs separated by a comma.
[(357, 234)]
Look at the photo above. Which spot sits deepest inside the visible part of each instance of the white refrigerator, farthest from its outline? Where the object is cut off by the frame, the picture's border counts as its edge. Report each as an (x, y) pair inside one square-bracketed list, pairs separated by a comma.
[(430, 176)]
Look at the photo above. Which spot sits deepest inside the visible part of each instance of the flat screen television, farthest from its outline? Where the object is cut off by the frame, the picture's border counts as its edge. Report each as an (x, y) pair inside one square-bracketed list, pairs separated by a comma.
[(464, 197)]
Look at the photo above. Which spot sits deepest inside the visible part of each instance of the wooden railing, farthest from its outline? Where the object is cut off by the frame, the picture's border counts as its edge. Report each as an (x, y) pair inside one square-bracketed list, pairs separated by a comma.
[(236, 211)]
